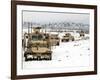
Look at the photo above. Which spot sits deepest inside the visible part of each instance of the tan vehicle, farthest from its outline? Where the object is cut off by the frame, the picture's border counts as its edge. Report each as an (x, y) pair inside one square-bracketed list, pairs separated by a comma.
[(67, 37), (38, 47), (54, 39), (82, 34)]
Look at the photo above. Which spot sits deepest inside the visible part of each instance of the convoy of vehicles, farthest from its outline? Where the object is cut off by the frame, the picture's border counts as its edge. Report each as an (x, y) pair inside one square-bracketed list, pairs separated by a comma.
[(37, 45)]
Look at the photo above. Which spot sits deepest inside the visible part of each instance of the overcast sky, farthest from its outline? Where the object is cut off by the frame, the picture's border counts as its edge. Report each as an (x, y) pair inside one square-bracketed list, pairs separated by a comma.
[(46, 17)]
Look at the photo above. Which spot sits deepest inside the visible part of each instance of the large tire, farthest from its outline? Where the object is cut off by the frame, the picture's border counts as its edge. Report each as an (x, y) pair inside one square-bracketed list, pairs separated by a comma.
[(57, 43), (38, 58), (73, 39), (82, 35), (26, 58), (34, 58), (50, 57), (47, 58)]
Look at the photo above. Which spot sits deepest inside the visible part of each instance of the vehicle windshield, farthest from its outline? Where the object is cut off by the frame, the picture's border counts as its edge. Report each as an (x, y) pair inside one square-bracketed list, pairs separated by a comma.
[(67, 35), (37, 37), (40, 37)]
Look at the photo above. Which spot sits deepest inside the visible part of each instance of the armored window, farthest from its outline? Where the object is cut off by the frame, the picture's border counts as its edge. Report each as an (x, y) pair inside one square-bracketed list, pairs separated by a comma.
[(40, 37), (34, 38)]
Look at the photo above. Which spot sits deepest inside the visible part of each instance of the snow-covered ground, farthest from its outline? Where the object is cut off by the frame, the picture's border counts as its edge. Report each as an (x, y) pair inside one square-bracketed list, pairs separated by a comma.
[(67, 54), (72, 53)]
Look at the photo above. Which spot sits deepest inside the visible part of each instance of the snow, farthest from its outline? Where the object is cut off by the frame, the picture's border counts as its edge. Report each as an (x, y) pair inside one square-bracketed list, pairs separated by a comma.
[(74, 52), (67, 55)]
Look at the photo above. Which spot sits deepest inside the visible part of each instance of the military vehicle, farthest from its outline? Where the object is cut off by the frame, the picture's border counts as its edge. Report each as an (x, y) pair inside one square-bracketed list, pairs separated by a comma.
[(82, 34), (54, 39), (67, 37), (38, 46)]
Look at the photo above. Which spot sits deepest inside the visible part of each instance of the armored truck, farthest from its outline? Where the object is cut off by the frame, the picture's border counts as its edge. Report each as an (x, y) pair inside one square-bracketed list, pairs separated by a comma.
[(54, 39), (67, 37), (38, 46), (82, 34)]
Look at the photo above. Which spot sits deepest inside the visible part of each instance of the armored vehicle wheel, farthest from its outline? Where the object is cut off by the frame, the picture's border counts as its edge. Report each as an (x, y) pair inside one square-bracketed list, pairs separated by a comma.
[(82, 35), (34, 57), (72, 39), (62, 40), (28, 57), (50, 58), (38, 58), (47, 57), (57, 43)]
